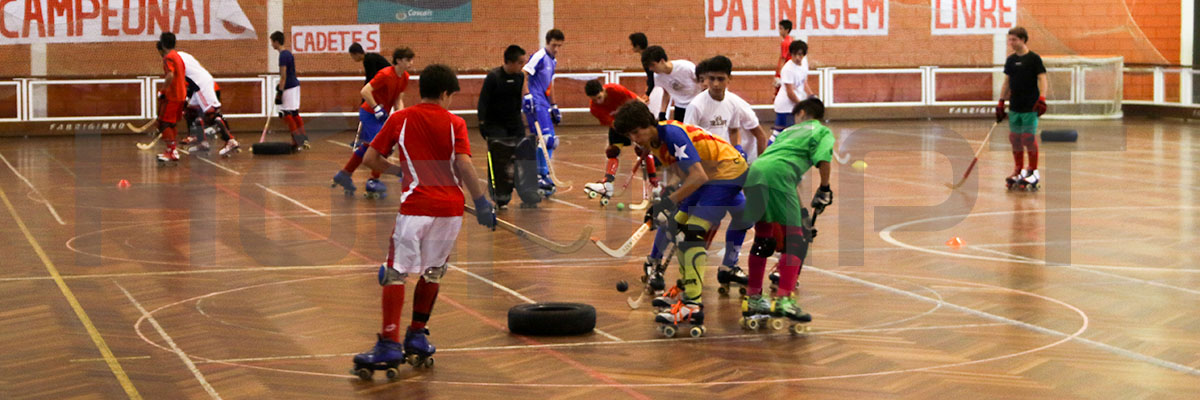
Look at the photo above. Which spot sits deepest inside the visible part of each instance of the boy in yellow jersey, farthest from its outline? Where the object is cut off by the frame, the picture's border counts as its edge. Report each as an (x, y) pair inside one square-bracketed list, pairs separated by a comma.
[(712, 173)]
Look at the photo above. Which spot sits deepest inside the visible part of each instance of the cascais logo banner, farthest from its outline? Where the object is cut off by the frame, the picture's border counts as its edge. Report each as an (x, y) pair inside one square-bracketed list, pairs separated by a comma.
[(383, 11)]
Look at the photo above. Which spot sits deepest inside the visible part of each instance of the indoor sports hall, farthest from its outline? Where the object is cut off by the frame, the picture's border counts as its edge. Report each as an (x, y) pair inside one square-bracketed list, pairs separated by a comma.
[(136, 264)]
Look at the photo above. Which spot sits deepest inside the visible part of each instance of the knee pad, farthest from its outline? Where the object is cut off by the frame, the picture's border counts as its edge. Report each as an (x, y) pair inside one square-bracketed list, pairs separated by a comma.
[(552, 142), (764, 246), (613, 151), (691, 235), (390, 276), (796, 244), (434, 274), (361, 150)]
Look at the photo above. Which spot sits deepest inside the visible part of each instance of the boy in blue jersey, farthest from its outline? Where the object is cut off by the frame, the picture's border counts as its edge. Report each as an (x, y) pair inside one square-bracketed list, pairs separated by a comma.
[(538, 102), (287, 93)]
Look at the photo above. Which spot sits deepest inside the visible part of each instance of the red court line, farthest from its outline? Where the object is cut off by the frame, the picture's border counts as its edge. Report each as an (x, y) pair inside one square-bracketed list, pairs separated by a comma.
[(556, 354)]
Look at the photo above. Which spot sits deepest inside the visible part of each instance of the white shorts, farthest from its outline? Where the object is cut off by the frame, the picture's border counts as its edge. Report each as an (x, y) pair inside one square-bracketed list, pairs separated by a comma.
[(419, 242), (291, 99), (750, 146), (205, 99)]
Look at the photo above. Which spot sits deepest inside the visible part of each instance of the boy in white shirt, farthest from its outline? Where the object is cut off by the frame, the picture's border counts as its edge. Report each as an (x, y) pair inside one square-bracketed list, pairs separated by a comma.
[(676, 77), (724, 113), (794, 77)]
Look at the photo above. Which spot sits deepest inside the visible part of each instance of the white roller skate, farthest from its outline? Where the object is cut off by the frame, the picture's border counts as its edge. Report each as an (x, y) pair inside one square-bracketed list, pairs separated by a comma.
[(756, 312), (169, 157), (199, 147), (668, 298), (601, 189), (688, 311), (1032, 182), (1013, 182), (231, 147)]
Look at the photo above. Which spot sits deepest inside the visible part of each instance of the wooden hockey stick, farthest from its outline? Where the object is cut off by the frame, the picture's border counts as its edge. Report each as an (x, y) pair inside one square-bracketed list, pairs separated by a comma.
[(960, 182), (634, 304), (266, 126), (542, 241), (140, 129), (645, 195), (628, 245), (546, 153), (148, 146)]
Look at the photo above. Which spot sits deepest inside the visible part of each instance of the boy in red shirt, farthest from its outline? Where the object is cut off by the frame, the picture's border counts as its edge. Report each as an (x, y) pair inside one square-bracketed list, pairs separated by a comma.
[(174, 96), (382, 96), (435, 157), (605, 100)]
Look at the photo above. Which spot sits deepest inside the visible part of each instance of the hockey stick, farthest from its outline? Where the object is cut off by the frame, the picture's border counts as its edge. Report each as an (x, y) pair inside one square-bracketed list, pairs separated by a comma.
[(542, 241), (140, 129), (954, 186), (148, 146), (546, 153), (645, 196), (634, 304), (628, 245), (629, 181)]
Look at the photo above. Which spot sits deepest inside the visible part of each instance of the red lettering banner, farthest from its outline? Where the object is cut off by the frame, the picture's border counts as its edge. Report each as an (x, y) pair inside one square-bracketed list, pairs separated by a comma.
[(84, 21)]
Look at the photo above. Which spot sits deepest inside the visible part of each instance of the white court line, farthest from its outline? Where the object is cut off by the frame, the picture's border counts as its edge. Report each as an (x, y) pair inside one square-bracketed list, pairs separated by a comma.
[(568, 203), (174, 348), (1035, 328), (520, 296), (1101, 273), (39, 193), (218, 165), (293, 201)]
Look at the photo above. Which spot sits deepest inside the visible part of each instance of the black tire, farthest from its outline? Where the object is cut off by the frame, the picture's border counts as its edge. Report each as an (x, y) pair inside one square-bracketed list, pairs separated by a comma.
[(1061, 135), (551, 319), (272, 148)]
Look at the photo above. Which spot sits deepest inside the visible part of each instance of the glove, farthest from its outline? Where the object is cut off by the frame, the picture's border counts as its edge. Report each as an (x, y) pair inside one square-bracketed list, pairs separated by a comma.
[(777, 83), (740, 150), (823, 198), (485, 214), (662, 116), (278, 97), (555, 115), (527, 104), (1040, 106), (162, 96), (662, 211), (380, 114), (551, 142), (1000, 114)]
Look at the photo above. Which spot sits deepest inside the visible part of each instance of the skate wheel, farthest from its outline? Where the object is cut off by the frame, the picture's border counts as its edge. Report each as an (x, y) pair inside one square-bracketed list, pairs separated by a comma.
[(723, 290), (742, 291), (392, 373), (777, 324), (799, 329), (363, 373), (604, 201), (696, 331), (668, 331), (752, 324), (592, 195), (429, 363)]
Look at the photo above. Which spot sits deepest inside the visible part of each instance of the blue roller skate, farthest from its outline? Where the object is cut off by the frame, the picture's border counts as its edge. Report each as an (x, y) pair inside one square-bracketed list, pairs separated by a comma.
[(418, 352), (343, 179), (385, 356), (376, 189), (546, 186)]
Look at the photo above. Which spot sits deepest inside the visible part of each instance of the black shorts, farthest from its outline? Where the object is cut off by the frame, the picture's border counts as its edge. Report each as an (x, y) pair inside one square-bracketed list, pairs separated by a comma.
[(616, 139)]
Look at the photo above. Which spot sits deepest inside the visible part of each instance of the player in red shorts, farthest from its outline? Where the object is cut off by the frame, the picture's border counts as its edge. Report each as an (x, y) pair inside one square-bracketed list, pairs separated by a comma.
[(606, 99), (174, 97), (435, 157)]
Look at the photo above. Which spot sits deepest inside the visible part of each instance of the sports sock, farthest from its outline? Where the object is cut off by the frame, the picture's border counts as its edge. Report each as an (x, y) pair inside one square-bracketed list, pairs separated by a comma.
[(423, 298), (1031, 146), (393, 306)]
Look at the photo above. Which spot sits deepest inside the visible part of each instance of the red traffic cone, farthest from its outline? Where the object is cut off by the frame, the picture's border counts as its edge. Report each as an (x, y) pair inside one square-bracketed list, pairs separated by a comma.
[(955, 242), (123, 184)]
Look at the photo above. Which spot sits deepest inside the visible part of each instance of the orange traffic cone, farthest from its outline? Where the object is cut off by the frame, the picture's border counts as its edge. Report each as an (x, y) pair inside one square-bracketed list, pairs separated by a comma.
[(955, 242), (123, 184)]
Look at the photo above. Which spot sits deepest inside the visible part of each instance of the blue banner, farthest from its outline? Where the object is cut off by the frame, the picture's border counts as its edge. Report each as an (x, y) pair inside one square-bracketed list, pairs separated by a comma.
[(386, 11)]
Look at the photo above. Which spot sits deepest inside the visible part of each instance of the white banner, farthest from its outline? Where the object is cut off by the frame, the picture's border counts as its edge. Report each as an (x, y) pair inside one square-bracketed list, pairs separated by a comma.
[(740, 18), (84, 21), (334, 38), (972, 17)]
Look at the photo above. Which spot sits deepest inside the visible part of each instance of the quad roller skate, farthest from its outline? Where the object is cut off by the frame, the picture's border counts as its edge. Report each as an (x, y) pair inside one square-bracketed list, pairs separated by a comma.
[(231, 147), (652, 276), (786, 310), (731, 274), (200, 146), (300, 142), (601, 189), (669, 298), (385, 356), (418, 352), (684, 311), (168, 158), (1016, 181), (345, 181), (756, 312), (375, 189), (1032, 182), (546, 187)]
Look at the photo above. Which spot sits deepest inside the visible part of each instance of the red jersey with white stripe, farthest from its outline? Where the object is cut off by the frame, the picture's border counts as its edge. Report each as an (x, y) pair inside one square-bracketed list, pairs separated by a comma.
[(615, 96), (426, 138), (386, 87)]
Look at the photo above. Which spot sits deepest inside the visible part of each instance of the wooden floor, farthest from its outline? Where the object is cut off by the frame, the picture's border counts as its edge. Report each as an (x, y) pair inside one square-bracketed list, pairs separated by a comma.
[(250, 278)]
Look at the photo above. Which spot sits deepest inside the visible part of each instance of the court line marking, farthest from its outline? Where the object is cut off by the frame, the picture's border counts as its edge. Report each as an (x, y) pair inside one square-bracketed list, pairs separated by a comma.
[(293, 201), (205, 159), (1101, 273), (43, 200), (886, 235), (174, 348), (518, 347), (80, 313), (518, 295), (1035, 328), (59, 162), (81, 360)]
